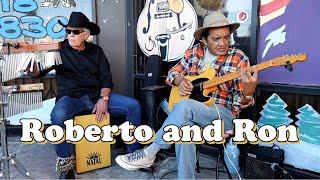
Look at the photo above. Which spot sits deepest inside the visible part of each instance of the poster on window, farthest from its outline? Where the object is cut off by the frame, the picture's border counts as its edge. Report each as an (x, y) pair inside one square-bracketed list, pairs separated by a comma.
[(35, 21), (166, 28), (287, 29)]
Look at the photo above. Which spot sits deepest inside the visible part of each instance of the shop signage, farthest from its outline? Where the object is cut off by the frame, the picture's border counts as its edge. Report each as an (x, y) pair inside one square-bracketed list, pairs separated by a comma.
[(12, 27)]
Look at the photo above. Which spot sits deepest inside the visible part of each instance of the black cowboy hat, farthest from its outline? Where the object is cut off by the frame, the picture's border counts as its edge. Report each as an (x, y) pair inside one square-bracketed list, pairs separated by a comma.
[(78, 19)]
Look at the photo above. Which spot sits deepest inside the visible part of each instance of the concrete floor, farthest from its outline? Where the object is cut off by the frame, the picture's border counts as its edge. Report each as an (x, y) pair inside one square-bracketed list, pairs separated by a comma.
[(39, 160)]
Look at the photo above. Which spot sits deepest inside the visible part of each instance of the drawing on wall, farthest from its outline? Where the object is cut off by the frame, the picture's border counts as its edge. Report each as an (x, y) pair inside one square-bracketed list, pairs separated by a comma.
[(309, 124), (274, 38), (284, 29), (55, 3), (166, 27), (274, 112), (304, 154), (270, 10)]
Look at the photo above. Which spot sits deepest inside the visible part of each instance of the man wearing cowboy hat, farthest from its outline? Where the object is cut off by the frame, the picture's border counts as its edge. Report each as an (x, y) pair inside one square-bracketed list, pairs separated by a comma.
[(230, 97), (84, 84)]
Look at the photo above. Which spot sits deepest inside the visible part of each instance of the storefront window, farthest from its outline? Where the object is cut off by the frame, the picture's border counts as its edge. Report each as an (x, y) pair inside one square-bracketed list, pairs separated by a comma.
[(236, 11)]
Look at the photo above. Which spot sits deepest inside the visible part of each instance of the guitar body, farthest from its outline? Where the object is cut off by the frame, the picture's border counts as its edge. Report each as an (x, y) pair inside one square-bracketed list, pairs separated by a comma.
[(197, 93), (166, 27)]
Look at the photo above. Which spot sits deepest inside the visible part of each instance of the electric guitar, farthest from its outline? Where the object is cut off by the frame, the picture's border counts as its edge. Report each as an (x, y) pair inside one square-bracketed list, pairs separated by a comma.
[(166, 27), (206, 82)]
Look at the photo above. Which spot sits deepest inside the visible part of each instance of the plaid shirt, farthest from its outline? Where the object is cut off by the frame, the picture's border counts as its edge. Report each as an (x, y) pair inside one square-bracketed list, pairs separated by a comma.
[(228, 94)]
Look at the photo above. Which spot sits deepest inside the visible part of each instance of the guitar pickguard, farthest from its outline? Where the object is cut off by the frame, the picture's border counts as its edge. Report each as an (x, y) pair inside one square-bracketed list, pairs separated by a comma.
[(197, 91)]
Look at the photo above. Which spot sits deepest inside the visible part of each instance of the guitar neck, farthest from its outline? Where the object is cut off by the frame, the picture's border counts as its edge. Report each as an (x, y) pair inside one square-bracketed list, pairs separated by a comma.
[(218, 80)]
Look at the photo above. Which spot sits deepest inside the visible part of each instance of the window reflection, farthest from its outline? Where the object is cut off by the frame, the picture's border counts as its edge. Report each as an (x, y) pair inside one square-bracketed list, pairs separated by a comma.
[(211, 5), (236, 11)]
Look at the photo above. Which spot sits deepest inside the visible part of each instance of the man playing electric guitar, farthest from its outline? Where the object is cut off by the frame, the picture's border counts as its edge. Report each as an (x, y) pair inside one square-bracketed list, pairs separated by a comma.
[(230, 97)]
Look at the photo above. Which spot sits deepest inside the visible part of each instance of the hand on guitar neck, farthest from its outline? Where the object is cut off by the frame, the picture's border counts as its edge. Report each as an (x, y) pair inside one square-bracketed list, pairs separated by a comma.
[(249, 82)]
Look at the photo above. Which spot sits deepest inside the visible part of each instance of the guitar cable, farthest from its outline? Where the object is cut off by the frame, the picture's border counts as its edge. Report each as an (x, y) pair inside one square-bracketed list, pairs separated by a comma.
[(224, 147)]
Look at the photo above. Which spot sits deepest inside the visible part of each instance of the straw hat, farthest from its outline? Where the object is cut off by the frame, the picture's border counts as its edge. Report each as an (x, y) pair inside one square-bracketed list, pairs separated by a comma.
[(215, 19)]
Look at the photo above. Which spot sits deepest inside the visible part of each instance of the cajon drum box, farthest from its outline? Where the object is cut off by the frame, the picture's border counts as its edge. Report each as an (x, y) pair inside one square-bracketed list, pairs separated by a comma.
[(91, 155)]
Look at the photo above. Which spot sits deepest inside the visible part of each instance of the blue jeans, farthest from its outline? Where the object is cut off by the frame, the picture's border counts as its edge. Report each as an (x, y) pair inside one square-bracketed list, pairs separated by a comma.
[(67, 108), (191, 112)]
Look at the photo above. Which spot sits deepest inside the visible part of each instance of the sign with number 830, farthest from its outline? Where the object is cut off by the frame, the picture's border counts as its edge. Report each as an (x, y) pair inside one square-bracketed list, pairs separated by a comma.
[(10, 25)]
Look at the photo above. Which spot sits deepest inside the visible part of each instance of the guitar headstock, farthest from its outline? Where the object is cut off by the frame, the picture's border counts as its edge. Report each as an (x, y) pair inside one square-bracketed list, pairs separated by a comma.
[(283, 60)]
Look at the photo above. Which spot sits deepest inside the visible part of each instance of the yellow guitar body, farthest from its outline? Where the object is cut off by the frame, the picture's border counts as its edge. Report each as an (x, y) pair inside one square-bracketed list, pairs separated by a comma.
[(175, 96)]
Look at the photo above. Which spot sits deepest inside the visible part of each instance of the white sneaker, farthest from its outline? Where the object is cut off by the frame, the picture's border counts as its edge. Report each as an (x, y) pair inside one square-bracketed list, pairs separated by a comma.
[(135, 160)]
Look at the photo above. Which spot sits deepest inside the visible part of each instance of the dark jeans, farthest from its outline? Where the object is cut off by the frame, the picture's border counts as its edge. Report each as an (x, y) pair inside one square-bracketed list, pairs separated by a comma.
[(67, 108)]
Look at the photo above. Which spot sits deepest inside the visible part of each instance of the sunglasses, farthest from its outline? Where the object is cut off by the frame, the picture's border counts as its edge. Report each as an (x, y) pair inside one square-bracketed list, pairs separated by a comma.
[(75, 32)]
